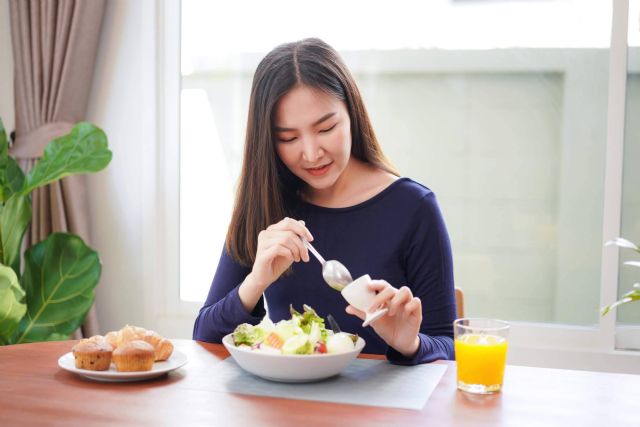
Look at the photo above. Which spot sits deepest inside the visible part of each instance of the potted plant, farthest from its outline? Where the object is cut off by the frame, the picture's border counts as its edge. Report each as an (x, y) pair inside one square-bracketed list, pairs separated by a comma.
[(48, 297), (633, 294)]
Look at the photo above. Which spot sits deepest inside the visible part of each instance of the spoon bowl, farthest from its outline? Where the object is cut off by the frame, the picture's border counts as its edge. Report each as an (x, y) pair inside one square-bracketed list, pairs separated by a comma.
[(333, 272), (336, 275)]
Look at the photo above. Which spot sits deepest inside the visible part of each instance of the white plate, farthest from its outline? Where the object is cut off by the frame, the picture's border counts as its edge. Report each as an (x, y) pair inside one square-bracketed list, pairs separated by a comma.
[(291, 368), (177, 359)]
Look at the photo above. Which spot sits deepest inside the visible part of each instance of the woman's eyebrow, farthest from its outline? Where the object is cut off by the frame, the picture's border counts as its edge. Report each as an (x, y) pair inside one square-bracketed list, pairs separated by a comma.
[(316, 123)]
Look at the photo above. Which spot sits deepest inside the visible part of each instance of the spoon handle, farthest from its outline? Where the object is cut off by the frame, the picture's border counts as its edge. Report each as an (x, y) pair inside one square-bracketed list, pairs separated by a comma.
[(333, 324), (313, 251)]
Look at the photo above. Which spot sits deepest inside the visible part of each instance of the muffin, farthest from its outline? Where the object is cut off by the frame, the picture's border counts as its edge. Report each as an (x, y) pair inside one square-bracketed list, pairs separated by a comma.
[(93, 353), (134, 356)]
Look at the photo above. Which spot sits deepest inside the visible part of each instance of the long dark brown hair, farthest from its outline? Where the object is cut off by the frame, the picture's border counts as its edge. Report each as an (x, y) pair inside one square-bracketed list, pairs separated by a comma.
[(267, 190)]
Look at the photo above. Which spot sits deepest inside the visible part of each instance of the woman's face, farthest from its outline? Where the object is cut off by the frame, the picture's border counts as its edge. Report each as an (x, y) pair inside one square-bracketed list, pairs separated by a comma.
[(313, 136)]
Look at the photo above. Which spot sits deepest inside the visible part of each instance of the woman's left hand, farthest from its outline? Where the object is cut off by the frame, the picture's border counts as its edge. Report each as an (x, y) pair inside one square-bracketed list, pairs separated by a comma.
[(400, 326)]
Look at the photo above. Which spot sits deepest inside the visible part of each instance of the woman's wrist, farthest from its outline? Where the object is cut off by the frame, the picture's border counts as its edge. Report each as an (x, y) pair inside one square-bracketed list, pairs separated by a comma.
[(412, 350), (250, 292)]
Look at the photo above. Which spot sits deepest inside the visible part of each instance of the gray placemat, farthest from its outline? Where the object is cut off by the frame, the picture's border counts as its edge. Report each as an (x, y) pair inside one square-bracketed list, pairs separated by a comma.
[(363, 382)]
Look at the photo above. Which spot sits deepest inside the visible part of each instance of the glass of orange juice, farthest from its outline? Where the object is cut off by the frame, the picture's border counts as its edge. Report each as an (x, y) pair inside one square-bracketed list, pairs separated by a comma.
[(481, 354)]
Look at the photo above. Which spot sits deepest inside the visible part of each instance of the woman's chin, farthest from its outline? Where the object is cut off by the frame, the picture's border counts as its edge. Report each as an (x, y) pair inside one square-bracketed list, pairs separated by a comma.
[(319, 183)]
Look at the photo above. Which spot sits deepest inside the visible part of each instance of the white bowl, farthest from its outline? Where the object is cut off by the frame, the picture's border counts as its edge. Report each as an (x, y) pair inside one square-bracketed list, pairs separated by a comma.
[(291, 368)]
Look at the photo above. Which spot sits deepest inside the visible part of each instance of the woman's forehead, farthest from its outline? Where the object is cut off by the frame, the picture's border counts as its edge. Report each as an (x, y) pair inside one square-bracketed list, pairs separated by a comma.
[(304, 105)]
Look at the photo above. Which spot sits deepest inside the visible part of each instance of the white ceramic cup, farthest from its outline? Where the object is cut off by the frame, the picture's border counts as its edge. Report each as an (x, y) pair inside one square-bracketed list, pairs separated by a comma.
[(358, 294)]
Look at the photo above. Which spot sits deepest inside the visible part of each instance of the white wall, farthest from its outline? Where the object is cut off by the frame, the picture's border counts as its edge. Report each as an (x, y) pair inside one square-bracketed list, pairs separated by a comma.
[(6, 69), (122, 103)]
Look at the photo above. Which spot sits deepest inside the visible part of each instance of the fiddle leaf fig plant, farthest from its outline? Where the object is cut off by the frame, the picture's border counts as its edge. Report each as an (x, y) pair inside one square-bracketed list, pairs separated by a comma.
[(48, 298), (633, 294)]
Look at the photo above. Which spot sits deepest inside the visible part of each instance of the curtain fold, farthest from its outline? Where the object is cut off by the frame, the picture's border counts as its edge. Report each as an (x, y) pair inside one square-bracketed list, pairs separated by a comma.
[(55, 43)]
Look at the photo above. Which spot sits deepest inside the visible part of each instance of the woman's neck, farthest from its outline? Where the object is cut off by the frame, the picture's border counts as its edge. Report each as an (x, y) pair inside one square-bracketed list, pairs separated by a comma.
[(358, 182)]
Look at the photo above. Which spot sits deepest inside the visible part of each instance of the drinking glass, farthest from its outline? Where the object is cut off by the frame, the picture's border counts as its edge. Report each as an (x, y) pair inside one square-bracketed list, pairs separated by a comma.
[(481, 354)]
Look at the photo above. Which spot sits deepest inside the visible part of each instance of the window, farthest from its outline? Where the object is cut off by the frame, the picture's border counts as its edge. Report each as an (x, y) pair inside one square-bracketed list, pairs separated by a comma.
[(629, 315), (508, 124)]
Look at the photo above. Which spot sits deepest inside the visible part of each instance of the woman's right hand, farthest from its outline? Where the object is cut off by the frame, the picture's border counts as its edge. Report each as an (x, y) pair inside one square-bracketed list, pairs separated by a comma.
[(278, 247)]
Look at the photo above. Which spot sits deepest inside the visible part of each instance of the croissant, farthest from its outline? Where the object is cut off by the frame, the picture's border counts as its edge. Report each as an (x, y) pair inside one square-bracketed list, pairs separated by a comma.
[(162, 346)]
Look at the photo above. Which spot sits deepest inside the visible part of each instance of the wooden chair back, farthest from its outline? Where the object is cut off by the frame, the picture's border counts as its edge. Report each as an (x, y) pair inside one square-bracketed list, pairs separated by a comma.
[(459, 303)]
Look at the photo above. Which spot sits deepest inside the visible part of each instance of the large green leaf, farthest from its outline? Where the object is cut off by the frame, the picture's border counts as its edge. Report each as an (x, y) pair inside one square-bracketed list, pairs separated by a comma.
[(11, 176), (4, 147), (14, 220), (14, 179), (84, 150), (4, 157), (60, 276), (12, 309)]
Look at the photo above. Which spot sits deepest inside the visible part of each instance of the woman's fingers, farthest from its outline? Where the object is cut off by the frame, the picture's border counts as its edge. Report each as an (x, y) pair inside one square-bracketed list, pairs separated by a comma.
[(394, 299), (384, 296), (295, 243), (413, 307), (291, 231), (378, 285), (286, 238), (280, 251), (290, 224), (402, 297), (279, 245), (354, 311)]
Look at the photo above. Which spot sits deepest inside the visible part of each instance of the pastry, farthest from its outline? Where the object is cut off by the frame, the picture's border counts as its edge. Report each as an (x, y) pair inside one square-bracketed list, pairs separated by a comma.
[(135, 355), (114, 338), (93, 353), (162, 346)]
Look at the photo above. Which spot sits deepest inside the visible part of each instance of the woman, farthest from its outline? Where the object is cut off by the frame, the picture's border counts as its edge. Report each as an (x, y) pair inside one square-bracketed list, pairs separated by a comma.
[(314, 169)]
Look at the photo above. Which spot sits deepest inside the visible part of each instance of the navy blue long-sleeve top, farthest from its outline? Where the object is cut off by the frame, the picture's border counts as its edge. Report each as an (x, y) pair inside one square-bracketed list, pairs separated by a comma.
[(398, 235)]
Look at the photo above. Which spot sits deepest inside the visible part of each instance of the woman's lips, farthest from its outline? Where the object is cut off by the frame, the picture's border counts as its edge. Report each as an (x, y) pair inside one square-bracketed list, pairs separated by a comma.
[(319, 171)]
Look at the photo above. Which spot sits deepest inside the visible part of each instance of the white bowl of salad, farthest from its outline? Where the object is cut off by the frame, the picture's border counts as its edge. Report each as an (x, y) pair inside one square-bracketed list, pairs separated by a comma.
[(300, 349)]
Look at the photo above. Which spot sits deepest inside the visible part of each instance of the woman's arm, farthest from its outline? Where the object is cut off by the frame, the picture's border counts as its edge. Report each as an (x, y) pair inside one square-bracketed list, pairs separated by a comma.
[(430, 278), (418, 327), (224, 309), (236, 294)]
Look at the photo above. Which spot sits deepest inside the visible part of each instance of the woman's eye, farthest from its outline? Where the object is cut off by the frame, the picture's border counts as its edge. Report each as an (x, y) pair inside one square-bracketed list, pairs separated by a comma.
[(328, 129), (287, 139)]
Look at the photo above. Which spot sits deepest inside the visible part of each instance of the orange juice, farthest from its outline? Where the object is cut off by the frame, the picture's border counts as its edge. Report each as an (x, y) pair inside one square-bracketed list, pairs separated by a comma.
[(481, 359)]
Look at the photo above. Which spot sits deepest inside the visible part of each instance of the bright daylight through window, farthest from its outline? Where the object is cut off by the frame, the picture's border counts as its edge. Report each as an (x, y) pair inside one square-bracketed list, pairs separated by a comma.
[(507, 124)]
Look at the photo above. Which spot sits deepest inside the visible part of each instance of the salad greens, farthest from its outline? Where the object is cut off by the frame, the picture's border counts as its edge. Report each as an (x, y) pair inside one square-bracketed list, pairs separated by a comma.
[(304, 333)]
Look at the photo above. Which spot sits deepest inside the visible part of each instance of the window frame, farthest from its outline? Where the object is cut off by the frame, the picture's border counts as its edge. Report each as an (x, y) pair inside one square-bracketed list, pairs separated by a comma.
[(555, 345)]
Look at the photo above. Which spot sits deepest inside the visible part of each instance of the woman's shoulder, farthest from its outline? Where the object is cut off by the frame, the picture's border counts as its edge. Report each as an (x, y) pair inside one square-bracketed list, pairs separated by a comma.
[(407, 188), (412, 198)]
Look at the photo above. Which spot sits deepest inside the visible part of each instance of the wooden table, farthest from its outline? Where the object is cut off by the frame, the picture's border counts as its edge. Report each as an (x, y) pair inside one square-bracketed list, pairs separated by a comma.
[(34, 391)]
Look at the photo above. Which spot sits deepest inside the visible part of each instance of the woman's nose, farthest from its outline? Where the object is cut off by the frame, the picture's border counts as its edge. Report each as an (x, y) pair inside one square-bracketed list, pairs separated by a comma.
[(311, 150)]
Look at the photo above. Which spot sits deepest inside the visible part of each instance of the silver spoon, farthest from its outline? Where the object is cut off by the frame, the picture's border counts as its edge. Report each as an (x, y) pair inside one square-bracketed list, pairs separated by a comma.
[(333, 272)]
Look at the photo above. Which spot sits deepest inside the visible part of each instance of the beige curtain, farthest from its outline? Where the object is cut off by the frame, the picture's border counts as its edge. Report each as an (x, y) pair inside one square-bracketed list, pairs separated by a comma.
[(54, 48)]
